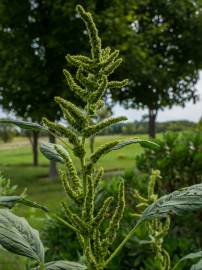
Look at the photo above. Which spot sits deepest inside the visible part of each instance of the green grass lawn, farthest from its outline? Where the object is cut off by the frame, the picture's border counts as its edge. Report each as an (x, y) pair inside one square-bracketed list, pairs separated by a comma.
[(16, 164)]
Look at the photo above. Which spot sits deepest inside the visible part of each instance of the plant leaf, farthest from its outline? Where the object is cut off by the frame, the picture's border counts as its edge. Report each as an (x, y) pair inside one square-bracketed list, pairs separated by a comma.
[(143, 143), (190, 256), (177, 202), (63, 265), (32, 204), (24, 124), (17, 236), (197, 266), (48, 150), (10, 201)]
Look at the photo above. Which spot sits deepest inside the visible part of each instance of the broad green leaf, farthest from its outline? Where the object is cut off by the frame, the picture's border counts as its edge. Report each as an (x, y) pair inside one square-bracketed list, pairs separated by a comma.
[(143, 143), (63, 265), (48, 150), (10, 201), (177, 202), (197, 266), (17, 236), (24, 124), (190, 256)]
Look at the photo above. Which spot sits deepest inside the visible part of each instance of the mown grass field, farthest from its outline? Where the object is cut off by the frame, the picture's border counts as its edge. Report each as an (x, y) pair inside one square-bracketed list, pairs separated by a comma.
[(16, 164)]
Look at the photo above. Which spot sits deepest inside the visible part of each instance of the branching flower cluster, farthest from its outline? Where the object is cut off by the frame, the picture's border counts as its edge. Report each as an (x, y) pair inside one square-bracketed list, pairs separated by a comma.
[(90, 84)]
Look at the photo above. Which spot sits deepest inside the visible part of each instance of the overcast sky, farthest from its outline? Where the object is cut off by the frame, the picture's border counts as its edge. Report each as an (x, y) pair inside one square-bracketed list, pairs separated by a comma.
[(191, 111)]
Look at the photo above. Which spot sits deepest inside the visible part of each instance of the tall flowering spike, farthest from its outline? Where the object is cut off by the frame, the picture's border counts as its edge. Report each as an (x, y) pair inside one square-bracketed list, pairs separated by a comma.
[(109, 59), (67, 133), (74, 86), (90, 82), (92, 130), (76, 113), (98, 177), (89, 201), (95, 40), (117, 216), (73, 193), (79, 60), (71, 169), (102, 212), (117, 84), (96, 95), (152, 182), (112, 66)]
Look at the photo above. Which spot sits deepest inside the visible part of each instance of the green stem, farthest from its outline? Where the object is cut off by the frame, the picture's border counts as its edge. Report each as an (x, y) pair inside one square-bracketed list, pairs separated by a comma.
[(167, 259), (122, 244), (41, 266), (65, 222), (176, 265)]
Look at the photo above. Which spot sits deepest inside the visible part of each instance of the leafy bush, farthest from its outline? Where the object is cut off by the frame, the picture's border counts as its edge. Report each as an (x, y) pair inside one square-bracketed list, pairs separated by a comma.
[(179, 159), (7, 133)]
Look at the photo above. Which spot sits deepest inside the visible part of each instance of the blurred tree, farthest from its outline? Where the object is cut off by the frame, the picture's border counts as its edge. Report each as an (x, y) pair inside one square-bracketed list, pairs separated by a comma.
[(7, 133), (161, 42), (198, 126), (35, 36)]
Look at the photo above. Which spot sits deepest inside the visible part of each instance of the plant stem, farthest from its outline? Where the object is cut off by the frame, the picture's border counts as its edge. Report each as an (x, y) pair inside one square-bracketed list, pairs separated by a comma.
[(65, 223), (118, 249), (41, 266)]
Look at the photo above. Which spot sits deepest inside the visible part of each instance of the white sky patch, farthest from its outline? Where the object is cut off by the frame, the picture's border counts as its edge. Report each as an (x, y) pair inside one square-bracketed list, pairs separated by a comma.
[(192, 112)]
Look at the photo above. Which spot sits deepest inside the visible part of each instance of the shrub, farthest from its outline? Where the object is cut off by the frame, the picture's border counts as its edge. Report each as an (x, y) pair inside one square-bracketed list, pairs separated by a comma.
[(179, 159), (7, 133)]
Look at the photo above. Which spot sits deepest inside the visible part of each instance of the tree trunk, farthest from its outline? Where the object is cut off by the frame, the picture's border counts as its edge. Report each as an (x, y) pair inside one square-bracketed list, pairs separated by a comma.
[(152, 123), (92, 143), (34, 141), (52, 168)]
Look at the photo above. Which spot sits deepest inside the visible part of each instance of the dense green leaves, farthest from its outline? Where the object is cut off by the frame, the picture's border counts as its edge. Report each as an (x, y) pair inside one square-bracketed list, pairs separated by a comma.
[(178, 158), (190, 256), (177, 202), (24, 124), (63, 265), (160, 41), (17, 236)]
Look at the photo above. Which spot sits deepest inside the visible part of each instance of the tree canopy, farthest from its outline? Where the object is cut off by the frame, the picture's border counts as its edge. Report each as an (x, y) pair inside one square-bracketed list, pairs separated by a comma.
[(162, 48)]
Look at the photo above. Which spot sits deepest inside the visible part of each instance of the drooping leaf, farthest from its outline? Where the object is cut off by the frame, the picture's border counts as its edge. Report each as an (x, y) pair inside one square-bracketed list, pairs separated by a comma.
[(17, 236), (63, 265), (143, 143), (10, 201), (32, 204), (177, 202), (197, 266), (190, 256), (24, 124), (48, 150)]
